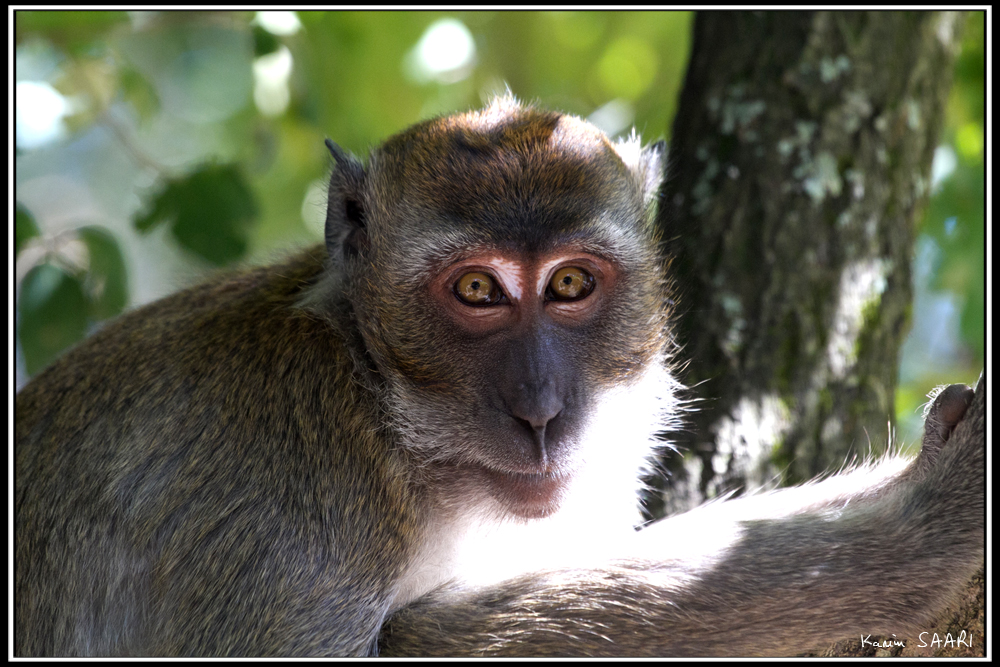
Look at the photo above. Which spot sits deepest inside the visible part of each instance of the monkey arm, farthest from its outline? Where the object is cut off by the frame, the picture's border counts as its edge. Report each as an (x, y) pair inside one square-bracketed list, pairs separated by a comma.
[(881, 566)]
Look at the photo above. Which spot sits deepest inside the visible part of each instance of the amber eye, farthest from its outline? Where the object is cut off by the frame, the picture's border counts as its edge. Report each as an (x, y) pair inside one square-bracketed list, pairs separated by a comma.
[(477, 289), (571, 283)]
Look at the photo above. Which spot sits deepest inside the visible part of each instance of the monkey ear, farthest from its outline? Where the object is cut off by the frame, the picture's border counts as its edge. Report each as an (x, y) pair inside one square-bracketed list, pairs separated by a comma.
[(346, 233), (646, 163)]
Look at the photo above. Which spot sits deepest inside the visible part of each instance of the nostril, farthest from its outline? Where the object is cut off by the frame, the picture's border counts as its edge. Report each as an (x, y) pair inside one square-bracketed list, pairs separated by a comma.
[(528, 426)]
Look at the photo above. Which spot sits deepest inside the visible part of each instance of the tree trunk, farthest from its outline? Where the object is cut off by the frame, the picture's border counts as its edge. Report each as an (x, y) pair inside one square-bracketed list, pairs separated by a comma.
[(799, 164)]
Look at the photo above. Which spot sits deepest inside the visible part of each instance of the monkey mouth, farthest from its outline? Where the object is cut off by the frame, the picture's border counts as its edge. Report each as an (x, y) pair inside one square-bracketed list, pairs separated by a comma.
[(527, 495)]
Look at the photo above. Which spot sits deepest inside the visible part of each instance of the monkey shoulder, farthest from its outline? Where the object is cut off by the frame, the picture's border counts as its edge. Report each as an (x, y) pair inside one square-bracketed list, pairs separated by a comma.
[(164, 351), (218, 374)]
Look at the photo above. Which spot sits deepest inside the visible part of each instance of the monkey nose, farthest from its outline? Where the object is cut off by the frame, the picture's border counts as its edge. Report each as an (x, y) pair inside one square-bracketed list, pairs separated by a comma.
[(536, 413), (536, 405)]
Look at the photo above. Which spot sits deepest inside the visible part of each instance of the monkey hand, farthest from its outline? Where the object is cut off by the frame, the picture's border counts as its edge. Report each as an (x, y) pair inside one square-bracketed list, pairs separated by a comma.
[(947, 407), (951, 467)]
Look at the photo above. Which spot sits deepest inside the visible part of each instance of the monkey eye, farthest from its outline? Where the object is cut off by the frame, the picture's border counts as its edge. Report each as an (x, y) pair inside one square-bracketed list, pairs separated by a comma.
[(478, 289), (570, 283)]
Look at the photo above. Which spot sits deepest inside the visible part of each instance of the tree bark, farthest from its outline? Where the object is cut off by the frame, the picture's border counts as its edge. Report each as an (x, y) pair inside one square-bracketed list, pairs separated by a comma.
[(799, 164)]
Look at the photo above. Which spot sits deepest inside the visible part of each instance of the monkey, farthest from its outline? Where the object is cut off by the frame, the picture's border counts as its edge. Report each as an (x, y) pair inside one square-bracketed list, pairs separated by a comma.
[(424, 437)]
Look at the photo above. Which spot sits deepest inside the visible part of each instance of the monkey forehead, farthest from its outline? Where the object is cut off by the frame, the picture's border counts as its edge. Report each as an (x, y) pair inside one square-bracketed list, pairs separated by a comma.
[(506, 125), (503, 126), (504, 156)]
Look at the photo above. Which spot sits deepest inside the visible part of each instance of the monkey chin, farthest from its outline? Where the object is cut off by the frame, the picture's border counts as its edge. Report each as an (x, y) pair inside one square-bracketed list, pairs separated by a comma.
[(527, 495)]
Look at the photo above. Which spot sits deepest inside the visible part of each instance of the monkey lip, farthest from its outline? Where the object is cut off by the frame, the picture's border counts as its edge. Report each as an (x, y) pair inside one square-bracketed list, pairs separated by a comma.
[(528, 495)]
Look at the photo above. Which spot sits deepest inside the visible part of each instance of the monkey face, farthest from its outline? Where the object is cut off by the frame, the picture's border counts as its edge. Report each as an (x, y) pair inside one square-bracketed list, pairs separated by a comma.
[(505, 288), (524, 325), (504, 362)]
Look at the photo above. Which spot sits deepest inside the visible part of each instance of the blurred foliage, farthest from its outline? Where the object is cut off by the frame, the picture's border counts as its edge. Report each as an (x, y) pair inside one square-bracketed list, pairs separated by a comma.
[(956, 216), (53, 314), (105, 284), (948, 340), (24, 228), (71, 281), (179, 140), (216, 193)]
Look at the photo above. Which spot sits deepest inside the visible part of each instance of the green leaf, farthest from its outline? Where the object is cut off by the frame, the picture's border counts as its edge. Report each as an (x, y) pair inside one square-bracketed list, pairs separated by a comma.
[(24, 228), (53, 315), (106, 283), (211, 211)]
